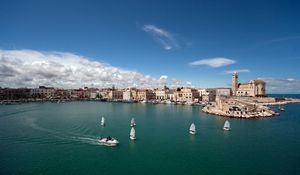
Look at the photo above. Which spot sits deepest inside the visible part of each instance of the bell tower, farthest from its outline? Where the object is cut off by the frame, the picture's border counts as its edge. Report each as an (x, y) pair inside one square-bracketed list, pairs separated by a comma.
[(235, 82)]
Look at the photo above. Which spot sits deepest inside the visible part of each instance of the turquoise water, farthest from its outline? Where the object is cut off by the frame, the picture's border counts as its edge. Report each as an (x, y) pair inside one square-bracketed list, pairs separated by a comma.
[(50, 138)]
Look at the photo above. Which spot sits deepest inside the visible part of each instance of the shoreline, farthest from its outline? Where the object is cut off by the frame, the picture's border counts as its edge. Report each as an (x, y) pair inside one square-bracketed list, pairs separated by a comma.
[(287, 101), (262, 110), (166, 102)]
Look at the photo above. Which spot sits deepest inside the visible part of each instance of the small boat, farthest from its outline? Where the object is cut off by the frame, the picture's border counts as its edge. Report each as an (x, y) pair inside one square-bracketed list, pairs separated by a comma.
[(168, 102), (144, 101), (193, 129), (281, 108), (132, 123), (102, 121), (189, 103), (108, 141), (132, 134), (226, 126)]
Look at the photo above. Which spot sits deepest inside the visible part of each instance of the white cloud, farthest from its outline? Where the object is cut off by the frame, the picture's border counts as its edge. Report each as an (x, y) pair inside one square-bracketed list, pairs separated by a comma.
[(165, 38), (277, 85), (163, 77), (238, 70), (214, 62), (29, 68)]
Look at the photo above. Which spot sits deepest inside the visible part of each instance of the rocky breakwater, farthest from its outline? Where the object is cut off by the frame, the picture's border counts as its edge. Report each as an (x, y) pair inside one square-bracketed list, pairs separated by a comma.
[(232, 107)]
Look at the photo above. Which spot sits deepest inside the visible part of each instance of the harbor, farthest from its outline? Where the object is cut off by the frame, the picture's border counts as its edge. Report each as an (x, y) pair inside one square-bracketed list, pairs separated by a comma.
[(44, 136)]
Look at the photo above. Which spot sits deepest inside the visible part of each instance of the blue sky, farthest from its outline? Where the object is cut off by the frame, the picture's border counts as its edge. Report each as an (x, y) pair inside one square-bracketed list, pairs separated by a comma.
[(163, 38)]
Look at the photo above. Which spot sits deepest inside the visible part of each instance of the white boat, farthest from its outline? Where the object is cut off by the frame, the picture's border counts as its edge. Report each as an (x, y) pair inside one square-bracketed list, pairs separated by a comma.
[(226, 125), (168, 102), (132, 134), (144, 101), (189, 103), (132, 123), (281, 108), (192, 129), (102, 121), (108, 141)]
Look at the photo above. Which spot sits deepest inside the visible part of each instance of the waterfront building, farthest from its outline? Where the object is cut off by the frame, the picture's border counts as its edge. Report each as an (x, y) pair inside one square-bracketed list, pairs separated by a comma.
[(14, 94), (255, 88), (80, 93), (208, 95), (186, 95), (115, 94), (42, 92), (223, 92), (161, 94), (127, 95), (62, 94), (130, 94), (92, 93), (171, 94), (104, 93), (145, 94)]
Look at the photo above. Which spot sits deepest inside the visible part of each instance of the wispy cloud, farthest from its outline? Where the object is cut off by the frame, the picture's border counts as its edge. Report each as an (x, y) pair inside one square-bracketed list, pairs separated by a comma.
[(292, 40), (214, 62), (238, 70), (165, 38), (29, 68), (288, 38), (277, 85)]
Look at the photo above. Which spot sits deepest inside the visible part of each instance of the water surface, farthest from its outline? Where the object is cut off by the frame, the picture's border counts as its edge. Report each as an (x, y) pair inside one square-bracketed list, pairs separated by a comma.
[(50, 138)]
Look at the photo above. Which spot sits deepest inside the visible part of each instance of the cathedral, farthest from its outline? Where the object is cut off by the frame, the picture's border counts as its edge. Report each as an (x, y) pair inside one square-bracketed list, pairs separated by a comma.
[(255, 88)]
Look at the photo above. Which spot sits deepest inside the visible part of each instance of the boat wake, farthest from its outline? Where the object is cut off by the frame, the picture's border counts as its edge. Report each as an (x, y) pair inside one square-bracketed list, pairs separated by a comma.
[(63, 136), (88, 140)]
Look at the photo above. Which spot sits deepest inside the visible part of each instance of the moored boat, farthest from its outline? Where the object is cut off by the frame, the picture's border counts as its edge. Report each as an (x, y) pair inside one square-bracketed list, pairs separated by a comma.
[(281, 108)]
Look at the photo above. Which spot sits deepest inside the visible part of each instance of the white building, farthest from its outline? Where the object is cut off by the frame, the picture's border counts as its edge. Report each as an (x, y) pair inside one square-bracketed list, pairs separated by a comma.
[(42, 92)]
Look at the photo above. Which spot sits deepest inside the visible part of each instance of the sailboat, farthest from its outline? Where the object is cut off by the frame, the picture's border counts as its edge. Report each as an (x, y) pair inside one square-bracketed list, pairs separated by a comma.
[(192, 129), (132, 134), (102, 121), (132, 123), (226, 125)]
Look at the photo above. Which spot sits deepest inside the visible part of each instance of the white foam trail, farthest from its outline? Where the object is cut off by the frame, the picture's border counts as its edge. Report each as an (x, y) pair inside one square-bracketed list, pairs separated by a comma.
[(73, 137)]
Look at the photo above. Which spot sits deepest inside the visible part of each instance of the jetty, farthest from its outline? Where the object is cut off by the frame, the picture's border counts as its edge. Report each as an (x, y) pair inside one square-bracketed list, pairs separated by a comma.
[(246, 107)]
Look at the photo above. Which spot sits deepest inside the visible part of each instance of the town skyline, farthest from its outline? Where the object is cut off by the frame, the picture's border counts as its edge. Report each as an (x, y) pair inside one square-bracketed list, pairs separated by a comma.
[(140, 44)]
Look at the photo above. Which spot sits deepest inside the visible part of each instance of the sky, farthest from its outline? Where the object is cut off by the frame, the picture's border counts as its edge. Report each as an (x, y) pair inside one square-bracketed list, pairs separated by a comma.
[(65, 43)]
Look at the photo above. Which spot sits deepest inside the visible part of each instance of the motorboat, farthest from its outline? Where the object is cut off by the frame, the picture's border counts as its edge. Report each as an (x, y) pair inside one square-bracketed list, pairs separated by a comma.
[(108, 141), (193, 129), (226, 126)]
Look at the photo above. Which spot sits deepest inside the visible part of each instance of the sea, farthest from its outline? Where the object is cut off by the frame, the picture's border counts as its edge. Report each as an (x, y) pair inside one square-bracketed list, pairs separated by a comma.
[(62, 138)]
